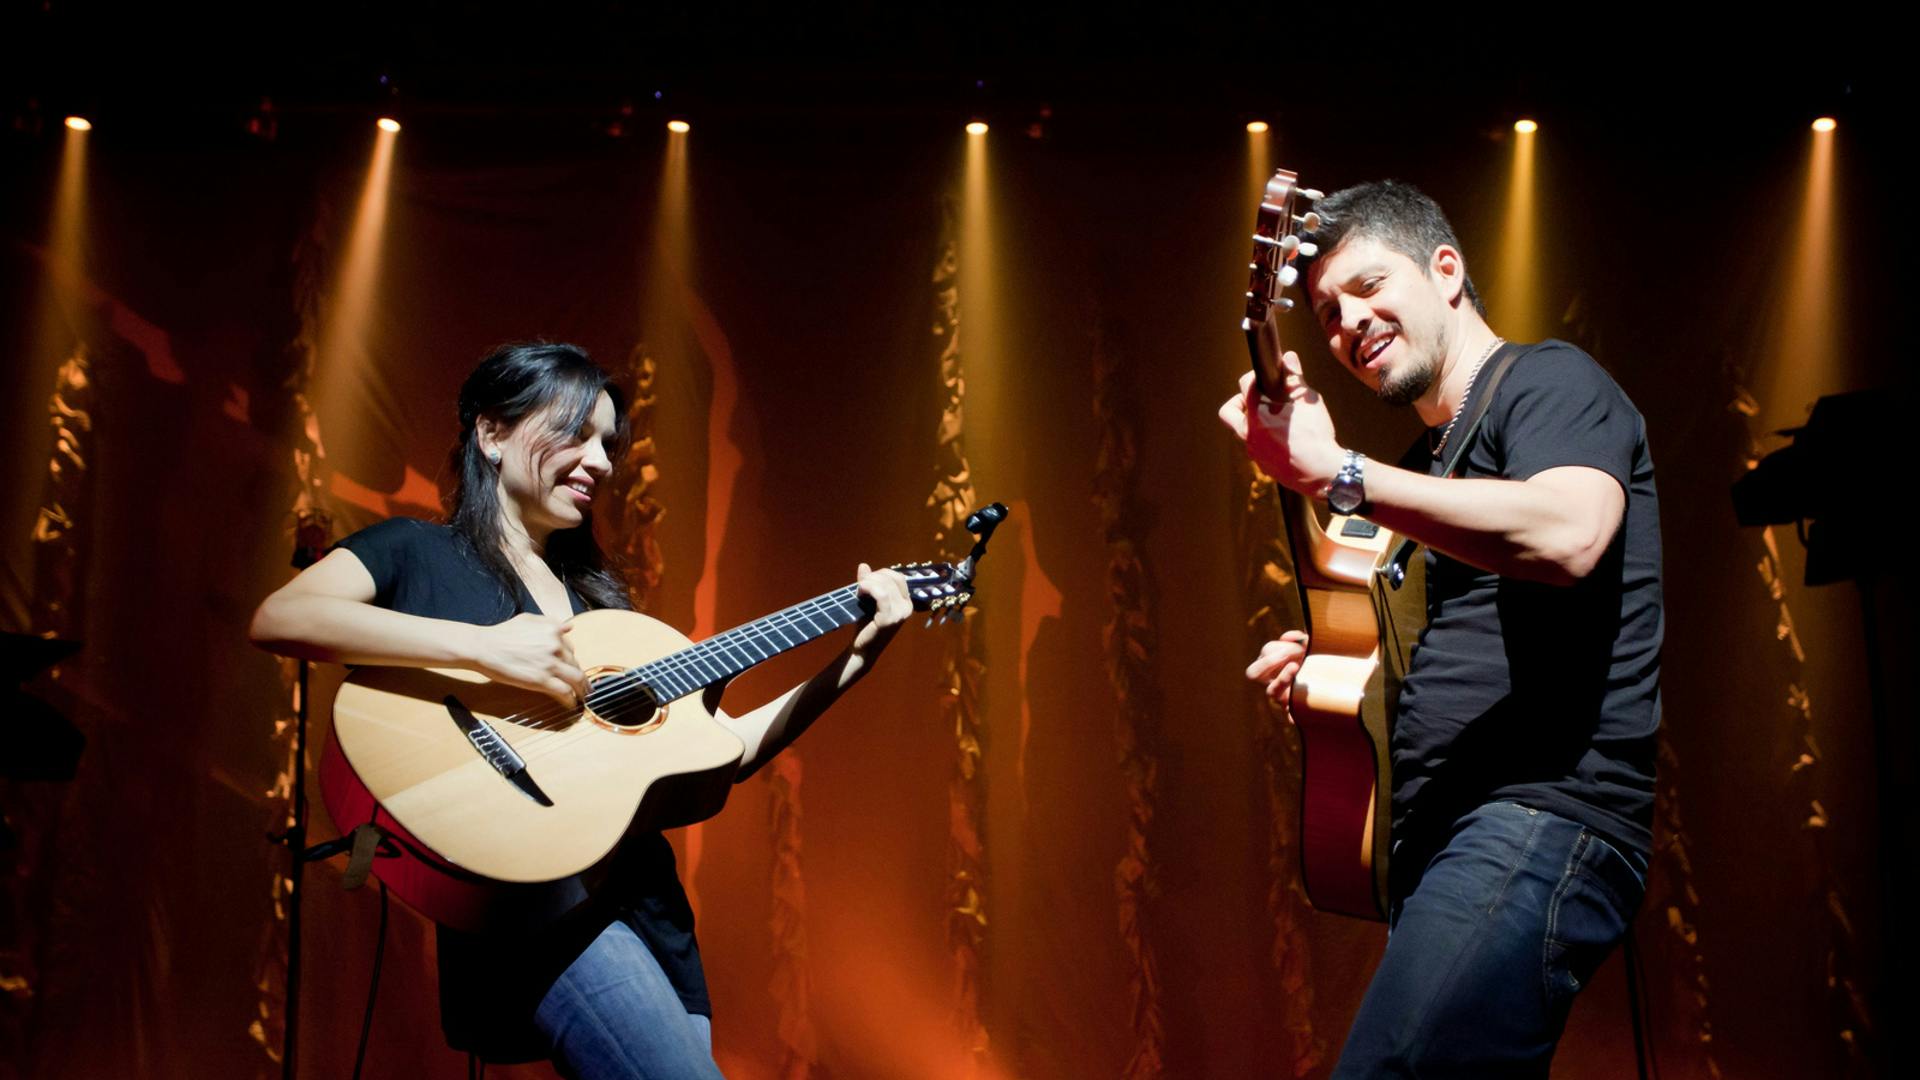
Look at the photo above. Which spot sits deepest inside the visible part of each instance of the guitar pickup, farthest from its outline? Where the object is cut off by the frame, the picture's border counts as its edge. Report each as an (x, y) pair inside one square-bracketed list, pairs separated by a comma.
[(1359, 528), (497, 752)]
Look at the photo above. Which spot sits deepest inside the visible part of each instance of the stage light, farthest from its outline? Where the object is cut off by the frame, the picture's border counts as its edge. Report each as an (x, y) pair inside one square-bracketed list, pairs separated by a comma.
[(1825, 123), (79, 123), (388, 124), (679, 127), (976, 128), (1256, 127), (1525, 127)]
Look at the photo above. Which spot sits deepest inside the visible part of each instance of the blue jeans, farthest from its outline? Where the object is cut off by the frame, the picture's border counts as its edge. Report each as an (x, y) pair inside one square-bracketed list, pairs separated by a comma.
[(1488, 948), (612, 1015)]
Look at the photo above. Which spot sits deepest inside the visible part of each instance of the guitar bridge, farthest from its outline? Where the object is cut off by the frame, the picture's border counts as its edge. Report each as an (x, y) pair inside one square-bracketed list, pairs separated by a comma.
[(505, 760)]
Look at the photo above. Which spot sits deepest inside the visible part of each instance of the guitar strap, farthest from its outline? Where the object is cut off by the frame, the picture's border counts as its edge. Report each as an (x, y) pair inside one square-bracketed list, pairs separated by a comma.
[(1395, 568)]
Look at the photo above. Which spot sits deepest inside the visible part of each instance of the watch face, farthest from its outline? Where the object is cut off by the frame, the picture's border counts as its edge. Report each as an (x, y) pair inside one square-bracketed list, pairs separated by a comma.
[(1344, 496)]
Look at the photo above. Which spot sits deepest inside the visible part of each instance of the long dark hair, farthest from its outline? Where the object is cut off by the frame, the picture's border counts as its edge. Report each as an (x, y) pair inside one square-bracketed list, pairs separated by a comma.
[(510, 384)]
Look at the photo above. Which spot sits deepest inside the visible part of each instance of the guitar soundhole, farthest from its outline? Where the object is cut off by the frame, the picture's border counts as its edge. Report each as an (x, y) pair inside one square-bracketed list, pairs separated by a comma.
[(626, 710)]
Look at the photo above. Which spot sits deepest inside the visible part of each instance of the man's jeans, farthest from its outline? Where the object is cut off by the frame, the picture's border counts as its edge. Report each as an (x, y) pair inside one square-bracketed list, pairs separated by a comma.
[(1505, 925), (613, 1014)]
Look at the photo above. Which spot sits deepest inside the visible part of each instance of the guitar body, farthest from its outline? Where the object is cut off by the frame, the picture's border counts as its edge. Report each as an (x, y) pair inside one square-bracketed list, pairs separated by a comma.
[(1362, 635), (479, 851)]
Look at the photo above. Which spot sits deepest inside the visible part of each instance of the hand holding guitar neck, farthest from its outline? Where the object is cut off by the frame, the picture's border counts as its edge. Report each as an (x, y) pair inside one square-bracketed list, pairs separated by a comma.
[(1290, 437), (1284, 423), (886, 591)]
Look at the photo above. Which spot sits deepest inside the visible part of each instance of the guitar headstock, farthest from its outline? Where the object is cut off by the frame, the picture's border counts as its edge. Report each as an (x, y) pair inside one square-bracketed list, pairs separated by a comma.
[(944, 588), (936, 586), (1277, 243)]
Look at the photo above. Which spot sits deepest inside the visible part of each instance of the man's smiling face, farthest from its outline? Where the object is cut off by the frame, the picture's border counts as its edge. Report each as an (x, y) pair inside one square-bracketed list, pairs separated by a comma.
[(1384, 315)]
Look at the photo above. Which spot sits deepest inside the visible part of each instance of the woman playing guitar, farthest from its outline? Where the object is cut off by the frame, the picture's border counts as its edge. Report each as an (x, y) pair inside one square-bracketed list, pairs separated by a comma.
[(615, 985)]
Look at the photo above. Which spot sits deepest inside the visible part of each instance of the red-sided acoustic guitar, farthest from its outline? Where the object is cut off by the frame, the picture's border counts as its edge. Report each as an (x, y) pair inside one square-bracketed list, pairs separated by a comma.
[(1364, 599), (498, 808)]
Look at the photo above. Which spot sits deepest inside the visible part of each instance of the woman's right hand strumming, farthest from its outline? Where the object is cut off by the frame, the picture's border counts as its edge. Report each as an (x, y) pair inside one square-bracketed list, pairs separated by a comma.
[(532, 652), (1278, 663)]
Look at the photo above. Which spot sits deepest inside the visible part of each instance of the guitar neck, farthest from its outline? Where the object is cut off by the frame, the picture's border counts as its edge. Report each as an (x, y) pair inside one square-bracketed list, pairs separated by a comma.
[(731, 652)]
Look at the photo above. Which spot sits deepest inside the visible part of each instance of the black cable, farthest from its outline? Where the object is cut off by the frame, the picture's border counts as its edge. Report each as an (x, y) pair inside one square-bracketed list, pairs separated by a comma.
[(1633, 1006), (373, 985), (1639, 1010)]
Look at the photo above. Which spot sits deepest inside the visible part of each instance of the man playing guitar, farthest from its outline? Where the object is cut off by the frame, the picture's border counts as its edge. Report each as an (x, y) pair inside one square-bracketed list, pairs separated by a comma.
[(1523, 744)]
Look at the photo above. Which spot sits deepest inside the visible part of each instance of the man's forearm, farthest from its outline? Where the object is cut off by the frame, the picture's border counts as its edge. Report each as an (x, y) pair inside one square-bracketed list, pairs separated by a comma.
[(1552, 528)]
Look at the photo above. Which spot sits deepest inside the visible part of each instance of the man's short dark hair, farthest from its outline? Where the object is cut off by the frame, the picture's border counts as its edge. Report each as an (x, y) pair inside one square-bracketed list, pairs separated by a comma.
[(1394, 212)]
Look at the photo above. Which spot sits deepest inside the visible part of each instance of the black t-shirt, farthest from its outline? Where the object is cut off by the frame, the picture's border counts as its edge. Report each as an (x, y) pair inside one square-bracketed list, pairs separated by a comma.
[(1541, 694), (490, 985)]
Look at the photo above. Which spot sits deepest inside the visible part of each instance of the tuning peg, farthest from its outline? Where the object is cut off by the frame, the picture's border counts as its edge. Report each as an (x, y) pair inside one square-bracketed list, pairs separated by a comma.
[(1311, 222), (1310, 193), (1288, 275), (1308, 251), (1285, 303), (1290, 244)]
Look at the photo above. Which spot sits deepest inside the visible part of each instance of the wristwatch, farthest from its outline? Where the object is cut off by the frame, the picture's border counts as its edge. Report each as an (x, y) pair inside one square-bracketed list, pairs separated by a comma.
[(1349, 489)]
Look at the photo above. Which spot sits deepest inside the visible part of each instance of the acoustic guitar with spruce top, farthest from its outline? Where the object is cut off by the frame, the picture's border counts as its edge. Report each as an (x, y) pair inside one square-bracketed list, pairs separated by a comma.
[(490, 807), (1363, 594)]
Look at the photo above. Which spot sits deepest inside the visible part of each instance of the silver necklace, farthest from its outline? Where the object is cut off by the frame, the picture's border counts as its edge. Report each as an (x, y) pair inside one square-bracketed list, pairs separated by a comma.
[(1467, 394)]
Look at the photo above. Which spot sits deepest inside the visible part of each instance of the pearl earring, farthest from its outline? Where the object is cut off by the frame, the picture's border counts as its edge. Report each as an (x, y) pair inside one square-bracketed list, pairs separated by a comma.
[(493, 456)]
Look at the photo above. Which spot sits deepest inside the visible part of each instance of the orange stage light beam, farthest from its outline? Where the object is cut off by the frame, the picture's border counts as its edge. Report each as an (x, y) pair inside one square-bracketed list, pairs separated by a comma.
[(341, 350), (1516, 307), (55, 336), (1806, 361)]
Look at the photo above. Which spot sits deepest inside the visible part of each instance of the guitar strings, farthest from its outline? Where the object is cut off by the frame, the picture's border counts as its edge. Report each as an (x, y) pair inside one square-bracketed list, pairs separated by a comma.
[(697, 661), (636, 686), (687, 661)]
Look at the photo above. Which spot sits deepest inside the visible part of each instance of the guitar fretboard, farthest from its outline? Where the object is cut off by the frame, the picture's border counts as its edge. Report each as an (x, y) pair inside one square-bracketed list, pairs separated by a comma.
[(731, 652)]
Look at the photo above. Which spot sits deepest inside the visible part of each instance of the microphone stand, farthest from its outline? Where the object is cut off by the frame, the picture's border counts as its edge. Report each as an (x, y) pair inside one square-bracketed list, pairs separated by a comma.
[(311, 533)]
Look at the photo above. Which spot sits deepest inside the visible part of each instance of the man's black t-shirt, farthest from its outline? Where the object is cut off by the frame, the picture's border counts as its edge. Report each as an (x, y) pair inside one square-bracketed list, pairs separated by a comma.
[(490, 985), (1541, 694)]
